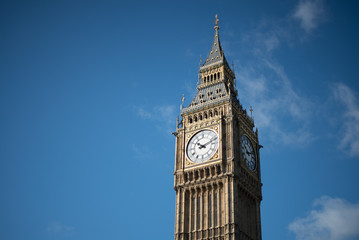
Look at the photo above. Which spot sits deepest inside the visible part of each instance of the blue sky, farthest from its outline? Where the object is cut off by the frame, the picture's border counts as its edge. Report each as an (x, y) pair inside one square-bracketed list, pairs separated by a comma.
[(90, 92)]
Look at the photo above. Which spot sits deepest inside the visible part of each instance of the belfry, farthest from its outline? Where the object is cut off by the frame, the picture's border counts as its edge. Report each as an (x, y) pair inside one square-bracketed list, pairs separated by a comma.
[(217, 175)]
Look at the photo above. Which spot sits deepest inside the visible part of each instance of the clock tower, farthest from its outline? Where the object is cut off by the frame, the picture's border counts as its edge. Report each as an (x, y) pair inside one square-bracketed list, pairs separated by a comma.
[(217, 175)]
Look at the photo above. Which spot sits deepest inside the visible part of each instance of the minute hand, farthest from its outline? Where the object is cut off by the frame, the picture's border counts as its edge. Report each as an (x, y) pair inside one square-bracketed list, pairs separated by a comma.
[(209, 141)]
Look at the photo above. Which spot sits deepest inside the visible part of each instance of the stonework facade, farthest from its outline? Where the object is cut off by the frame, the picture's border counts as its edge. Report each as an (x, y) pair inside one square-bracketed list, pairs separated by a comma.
[(217, 175)]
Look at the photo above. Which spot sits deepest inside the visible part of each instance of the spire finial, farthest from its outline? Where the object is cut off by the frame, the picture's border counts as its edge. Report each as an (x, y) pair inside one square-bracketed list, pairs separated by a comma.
[(251, 117), (181, 107), (234, 72), (216, 27)]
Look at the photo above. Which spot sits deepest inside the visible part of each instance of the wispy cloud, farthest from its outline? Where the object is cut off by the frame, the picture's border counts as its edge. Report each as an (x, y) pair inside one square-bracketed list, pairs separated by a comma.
[(310, 13), (162, 119), (350, 118), (276, 103), (143, 113), (160, 113), (267, 36), (281, 112), (331, 219), (59, 228), (141, 152), (163, 116), (284, 114)]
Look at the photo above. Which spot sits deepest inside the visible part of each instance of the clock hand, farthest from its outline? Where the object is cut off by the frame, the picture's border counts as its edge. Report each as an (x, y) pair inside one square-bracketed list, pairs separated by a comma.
[(248, 149), (200, 146), (209, 141), (212, 140)]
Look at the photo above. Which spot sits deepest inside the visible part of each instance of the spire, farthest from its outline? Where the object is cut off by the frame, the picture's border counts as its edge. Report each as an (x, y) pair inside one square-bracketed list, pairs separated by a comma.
[(216, 54), (216, 79)]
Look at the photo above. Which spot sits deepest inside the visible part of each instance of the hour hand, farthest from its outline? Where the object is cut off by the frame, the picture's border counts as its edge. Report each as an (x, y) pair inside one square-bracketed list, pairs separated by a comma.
[(201, 146)]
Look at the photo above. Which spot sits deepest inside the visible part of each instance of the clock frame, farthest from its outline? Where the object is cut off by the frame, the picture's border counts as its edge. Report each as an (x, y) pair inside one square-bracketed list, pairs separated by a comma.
[(202, 146), (248, 153)]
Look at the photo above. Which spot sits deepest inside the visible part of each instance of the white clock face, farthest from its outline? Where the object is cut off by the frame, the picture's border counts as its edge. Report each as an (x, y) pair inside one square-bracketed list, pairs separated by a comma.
[(248, 153), (202, 146)]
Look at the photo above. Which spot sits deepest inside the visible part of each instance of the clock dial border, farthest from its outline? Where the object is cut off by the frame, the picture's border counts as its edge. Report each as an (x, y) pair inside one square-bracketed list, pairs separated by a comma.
[(214, 154), (253, 156)]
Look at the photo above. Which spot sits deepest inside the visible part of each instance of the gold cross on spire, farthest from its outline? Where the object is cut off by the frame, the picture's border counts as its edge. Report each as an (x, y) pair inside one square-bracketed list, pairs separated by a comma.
[(216, 23)]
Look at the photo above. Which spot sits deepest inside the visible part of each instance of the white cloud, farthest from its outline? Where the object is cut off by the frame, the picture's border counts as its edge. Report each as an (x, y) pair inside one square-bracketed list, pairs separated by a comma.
[(332, 219), (280, 110), (164, 116), (267, 37), (164, 113), (162, 119), (58, 228), (141, 152), (350, 117), (272, 42), (310, 14), (296, 106), (266, 87), (143, 113)]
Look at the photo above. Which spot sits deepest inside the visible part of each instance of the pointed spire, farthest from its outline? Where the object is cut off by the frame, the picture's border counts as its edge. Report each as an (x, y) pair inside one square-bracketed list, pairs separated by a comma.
[(216, 79), (216, 54)]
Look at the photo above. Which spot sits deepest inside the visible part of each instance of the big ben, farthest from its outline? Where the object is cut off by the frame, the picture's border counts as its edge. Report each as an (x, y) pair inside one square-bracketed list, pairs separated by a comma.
[(217, 175)]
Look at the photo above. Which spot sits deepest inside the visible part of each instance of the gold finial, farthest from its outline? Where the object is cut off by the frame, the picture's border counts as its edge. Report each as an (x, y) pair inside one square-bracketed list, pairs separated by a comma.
[(216, 27), (217, 20)]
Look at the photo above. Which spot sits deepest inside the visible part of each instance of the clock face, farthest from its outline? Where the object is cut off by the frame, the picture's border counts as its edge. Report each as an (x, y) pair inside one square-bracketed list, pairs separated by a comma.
[(202, 146), (248, 153)]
